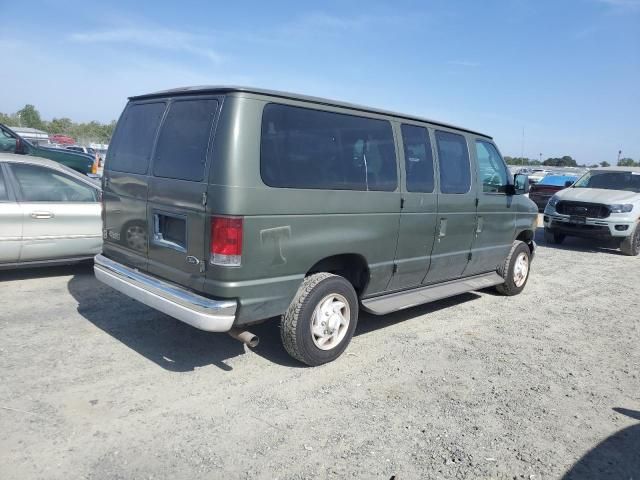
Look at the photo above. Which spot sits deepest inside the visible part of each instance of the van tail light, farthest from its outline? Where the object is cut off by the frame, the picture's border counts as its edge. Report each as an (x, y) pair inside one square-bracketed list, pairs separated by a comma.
[(226, 241)]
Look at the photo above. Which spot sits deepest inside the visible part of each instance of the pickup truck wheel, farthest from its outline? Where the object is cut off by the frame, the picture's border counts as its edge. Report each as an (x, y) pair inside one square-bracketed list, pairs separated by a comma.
[(631, 244), (553, 237), (319, 323), (515, 270)]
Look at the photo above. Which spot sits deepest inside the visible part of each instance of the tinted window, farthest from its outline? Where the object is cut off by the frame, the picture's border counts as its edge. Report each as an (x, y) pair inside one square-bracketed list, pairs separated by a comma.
[(40, 184), (418, 158), (181, 151), (492, 169), (4, 195), (453, 158), (304, 148), (130, 149), (556, 180)]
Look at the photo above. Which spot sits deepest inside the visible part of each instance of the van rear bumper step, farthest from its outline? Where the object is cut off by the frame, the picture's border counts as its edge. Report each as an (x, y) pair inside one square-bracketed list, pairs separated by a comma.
[(198, 311)]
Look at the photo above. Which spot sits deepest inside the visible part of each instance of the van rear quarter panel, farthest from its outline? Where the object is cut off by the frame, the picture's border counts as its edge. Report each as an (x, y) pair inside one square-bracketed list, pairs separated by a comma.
[(286, 230)]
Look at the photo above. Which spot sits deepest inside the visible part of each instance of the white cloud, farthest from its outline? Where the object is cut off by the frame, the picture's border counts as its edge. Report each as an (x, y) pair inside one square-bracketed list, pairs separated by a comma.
[(623, 5), (463, 63), (156, 38)]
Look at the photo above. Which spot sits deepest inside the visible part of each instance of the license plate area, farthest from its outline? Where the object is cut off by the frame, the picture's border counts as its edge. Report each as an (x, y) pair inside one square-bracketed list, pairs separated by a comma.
[(577, 219), (170, 231)]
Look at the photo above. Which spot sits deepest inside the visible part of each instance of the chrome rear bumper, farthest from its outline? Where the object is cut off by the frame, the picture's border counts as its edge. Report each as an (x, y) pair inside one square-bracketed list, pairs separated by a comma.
[(201, 312)]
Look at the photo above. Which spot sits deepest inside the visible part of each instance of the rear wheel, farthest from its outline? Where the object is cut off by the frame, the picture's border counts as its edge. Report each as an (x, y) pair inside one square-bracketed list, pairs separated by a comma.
[(553, 237), (515, 269), (319, 323), (631, 244)]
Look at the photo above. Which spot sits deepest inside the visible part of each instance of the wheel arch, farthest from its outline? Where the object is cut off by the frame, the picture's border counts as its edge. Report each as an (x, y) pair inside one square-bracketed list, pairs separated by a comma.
[(352, 266)]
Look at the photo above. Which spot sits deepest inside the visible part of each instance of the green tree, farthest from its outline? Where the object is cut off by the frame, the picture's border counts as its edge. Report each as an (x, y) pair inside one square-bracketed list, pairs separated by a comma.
[(628, 162), (605, 164), (565, 161), (30, 117)]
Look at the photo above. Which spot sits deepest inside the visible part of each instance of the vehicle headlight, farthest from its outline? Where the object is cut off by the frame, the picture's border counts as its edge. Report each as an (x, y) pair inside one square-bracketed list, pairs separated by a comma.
[(621, 208), (553, 201)]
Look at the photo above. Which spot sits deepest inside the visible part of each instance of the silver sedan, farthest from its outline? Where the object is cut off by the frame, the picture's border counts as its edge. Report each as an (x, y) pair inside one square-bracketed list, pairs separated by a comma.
[(49, 214)]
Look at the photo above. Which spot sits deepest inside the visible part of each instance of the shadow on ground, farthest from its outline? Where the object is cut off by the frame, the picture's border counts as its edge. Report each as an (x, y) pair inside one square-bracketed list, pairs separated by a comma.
[(578, 244), (616, 458), (178, 347)]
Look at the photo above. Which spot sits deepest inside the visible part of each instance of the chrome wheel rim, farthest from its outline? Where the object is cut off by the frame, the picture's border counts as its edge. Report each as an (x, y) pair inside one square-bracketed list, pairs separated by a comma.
[(521, 269), (136, 237), (330, 321)]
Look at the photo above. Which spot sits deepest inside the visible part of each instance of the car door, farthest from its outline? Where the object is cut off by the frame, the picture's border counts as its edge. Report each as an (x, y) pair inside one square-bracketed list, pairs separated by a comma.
[(10, 222), (418, 217), (495, 222), (60, 214), (456, 208), (178, 184)]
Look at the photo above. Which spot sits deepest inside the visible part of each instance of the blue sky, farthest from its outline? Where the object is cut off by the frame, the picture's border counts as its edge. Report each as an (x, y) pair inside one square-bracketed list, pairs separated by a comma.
[(565, 71)]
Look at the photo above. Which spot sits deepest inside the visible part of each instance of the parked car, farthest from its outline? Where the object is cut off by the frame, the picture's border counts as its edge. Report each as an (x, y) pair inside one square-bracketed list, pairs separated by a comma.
[(11, 142), (224, 207), (49, 214), (543, 190), (604, 203), (537, 174), (79, 148)]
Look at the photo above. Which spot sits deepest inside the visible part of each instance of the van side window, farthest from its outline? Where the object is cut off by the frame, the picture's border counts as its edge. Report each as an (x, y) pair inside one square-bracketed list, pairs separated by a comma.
[(181, 151), (453, 158), (130, 149), (492, 170), (418, 158), (305, 148)]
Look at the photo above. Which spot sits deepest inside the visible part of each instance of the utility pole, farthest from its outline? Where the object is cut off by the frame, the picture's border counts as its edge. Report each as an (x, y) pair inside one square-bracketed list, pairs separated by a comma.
[(540, 155), (619, 153)]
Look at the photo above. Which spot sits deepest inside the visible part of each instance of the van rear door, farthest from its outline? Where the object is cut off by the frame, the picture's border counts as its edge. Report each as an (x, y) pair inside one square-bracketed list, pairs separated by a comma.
[(125, 185), (176, 218)]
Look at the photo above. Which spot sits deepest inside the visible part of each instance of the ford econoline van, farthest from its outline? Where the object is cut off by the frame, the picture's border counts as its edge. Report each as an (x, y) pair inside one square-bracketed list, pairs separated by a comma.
[(226, 206)]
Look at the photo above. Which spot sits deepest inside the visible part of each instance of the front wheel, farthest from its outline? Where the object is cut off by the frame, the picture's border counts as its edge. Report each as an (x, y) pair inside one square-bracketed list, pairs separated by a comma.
[(515, 269), (319, 323), (631, 244), (553, 237)]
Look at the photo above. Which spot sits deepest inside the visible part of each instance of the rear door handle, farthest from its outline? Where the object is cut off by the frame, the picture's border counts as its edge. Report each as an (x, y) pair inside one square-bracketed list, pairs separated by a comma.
[(41, 215), (443, 228)]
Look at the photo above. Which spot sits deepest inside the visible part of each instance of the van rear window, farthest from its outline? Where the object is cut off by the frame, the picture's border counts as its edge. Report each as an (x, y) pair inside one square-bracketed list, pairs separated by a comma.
[(132, 143), (181, 151), (306, 148)]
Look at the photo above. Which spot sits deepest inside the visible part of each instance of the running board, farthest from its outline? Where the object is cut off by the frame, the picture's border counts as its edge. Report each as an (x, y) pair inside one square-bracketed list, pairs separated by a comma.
[(417, 296)]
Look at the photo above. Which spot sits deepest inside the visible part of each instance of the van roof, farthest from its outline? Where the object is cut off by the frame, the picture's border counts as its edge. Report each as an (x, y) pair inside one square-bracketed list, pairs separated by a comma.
[(198, 90)]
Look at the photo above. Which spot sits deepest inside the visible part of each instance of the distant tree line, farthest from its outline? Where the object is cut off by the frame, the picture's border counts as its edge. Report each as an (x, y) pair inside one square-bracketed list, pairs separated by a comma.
[(83, 132), (566, 161)]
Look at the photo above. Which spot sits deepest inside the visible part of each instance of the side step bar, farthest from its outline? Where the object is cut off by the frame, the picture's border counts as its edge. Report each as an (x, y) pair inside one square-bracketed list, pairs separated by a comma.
[(417, 296)]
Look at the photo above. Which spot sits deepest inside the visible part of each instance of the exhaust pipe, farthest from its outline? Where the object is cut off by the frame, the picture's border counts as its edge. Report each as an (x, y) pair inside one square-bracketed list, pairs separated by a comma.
[(248, 338)]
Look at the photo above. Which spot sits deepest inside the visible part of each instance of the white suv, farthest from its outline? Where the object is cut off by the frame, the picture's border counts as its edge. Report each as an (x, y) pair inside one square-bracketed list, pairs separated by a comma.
[(603, 203)]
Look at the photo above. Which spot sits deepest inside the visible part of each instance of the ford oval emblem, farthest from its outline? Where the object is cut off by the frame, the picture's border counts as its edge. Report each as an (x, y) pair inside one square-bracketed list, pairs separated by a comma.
[(192, 260)]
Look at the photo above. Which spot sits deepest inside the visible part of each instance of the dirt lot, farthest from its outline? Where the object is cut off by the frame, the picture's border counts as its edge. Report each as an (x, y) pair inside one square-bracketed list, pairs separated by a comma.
[(94, 385)]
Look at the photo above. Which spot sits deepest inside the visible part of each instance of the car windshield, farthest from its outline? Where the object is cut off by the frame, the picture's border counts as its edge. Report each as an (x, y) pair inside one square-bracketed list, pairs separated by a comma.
[(607, 180), (557, 180)]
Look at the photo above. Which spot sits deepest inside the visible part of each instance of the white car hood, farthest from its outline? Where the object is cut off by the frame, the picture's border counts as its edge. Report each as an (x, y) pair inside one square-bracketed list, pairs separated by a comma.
[(598, 195)]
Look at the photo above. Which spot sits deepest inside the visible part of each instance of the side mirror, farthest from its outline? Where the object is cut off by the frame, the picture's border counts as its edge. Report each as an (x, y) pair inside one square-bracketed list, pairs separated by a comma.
[(568, 183), (520, 184)]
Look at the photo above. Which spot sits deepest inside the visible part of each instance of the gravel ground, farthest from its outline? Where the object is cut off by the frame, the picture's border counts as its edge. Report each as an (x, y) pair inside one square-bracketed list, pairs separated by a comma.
[(545, 384)]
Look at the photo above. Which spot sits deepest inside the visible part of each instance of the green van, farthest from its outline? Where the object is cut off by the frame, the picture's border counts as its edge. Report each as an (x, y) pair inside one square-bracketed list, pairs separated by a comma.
[(226, 206)]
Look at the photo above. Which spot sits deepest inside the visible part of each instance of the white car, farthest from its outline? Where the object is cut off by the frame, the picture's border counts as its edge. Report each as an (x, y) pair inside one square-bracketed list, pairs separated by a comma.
[(604, 203), (49, 214)]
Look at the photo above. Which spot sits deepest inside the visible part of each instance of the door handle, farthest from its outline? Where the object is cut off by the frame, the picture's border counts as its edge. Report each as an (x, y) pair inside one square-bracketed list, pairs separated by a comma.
[(443, 228), (42, 215)]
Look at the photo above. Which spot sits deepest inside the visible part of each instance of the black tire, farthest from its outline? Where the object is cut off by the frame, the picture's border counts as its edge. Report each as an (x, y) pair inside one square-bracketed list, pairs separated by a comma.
[(631, 244), (553, 237), (296, 323), (506, 271)]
